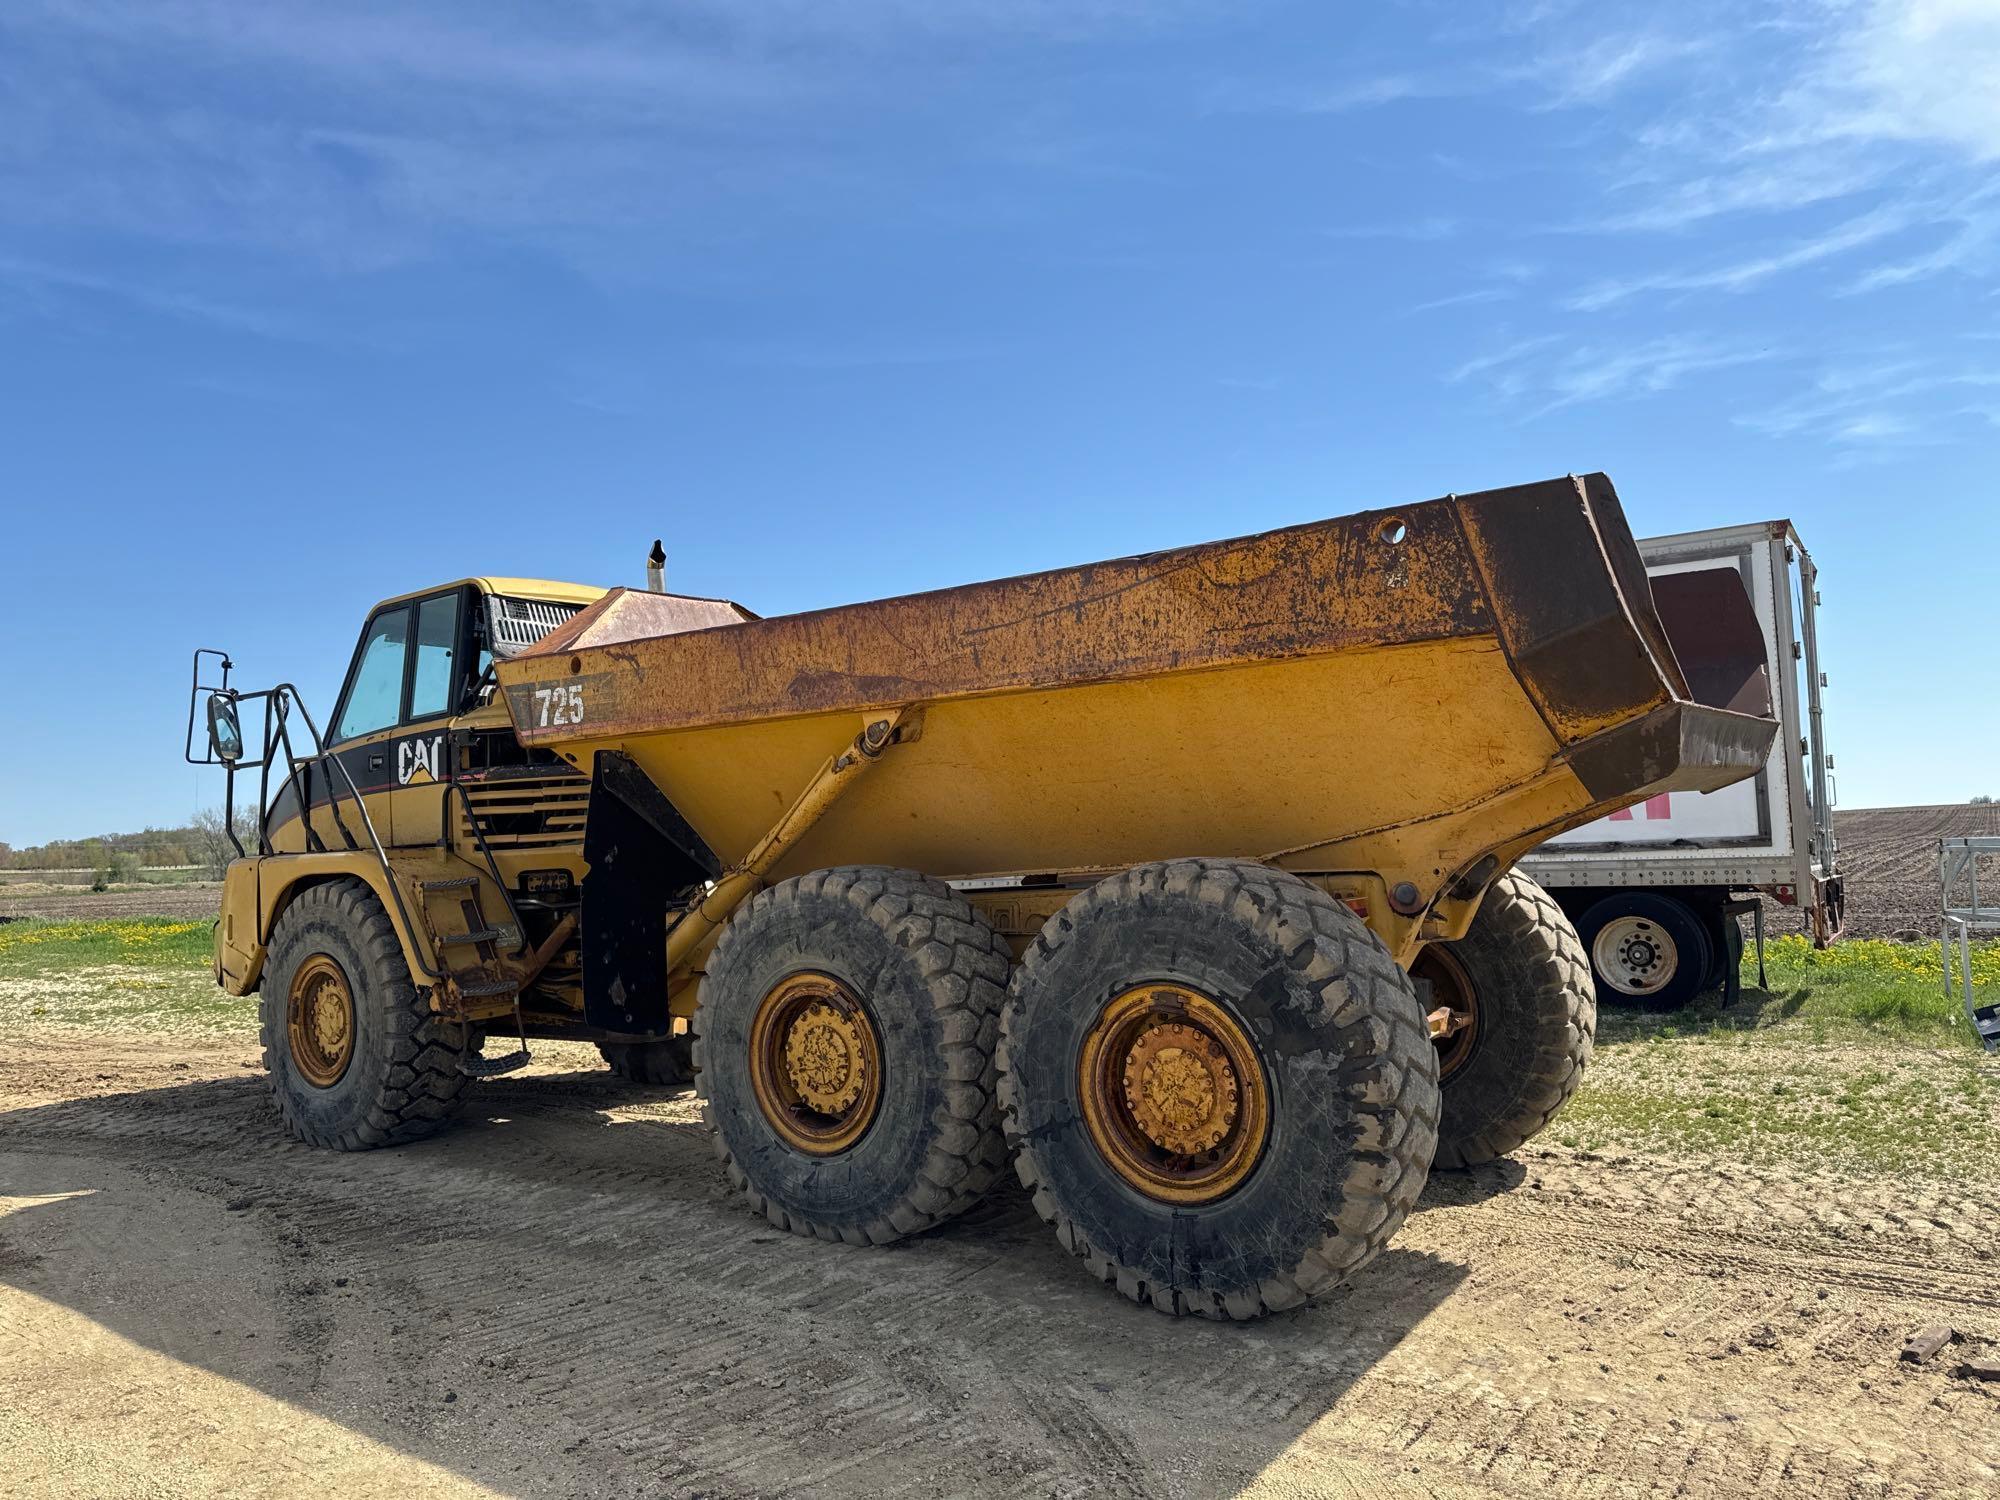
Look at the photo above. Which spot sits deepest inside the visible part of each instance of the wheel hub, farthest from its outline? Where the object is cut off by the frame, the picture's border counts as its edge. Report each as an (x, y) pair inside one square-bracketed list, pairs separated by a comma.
[(1173, 1095), (815, 1064), (824, 1058), (1453, 1018), (1180, 1088), (319, 1021), (1634, 956)]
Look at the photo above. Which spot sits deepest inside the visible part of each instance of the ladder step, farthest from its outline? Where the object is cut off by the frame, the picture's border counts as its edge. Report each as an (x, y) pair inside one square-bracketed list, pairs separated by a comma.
[(455, 883), (493, 1067), (484, 935), (480, 988)]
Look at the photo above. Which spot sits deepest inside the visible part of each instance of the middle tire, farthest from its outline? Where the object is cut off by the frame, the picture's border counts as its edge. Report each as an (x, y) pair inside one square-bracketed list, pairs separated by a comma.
[(669, 1060), (1523, 1016), (843, 1053), (1218, 1086)]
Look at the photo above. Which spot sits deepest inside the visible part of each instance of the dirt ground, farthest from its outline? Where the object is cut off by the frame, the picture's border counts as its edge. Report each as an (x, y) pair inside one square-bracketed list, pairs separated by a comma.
[(1891, 858), (71, 903), (560, 1298)]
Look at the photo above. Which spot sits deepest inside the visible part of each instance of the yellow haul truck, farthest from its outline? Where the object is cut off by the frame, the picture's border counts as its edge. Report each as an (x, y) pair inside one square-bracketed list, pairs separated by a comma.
[(1184, 881)]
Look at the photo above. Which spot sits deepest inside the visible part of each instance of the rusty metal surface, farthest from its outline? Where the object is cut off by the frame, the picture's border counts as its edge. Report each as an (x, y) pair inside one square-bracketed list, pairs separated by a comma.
[(632, 614), (1587, 653), (1329, 586)]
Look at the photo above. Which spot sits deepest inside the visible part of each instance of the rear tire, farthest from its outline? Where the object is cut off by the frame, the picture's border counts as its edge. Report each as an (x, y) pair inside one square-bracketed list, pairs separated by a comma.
[(1646, 950), (844, 989), (670, 1061), (1534, 1016), (387, 1072), (1329, 1064)]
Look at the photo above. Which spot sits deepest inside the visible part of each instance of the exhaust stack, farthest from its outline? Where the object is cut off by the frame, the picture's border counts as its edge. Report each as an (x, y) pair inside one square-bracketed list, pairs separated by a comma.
[(656, 569)]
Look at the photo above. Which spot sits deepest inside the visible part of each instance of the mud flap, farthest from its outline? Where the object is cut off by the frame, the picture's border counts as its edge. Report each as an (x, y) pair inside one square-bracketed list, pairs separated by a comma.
[(645, 860)]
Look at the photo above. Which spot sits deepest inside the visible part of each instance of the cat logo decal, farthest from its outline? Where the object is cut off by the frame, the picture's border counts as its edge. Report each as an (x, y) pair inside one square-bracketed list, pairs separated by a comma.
[(419, 762)]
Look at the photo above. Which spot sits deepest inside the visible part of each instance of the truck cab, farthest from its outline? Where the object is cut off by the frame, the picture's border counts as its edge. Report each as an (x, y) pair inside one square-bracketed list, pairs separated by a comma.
[(418, 787)]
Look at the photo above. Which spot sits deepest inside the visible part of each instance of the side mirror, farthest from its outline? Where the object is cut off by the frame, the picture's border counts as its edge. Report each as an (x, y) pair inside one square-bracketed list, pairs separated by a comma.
[(225, 735)]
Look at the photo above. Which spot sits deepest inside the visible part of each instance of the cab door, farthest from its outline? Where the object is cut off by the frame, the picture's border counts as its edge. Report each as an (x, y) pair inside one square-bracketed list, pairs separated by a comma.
[(388, 732), (365, 725), (419, 751)]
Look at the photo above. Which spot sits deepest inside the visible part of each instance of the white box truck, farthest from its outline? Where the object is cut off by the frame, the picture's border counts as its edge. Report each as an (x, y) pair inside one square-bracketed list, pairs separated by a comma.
[(1657, 890)]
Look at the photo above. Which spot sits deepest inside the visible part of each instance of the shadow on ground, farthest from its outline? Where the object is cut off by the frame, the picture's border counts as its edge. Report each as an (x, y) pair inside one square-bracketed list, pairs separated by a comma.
[(560, 1296)]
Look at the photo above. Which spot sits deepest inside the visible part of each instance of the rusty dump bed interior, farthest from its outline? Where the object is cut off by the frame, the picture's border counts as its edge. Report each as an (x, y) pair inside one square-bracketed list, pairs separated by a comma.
[(1402, 692)]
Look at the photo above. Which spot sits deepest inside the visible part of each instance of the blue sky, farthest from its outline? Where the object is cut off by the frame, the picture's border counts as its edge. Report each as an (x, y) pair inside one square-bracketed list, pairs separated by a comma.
[(302, 305)]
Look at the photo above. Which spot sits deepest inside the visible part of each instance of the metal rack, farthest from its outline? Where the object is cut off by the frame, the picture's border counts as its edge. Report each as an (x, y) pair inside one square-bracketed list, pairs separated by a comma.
[(1958, 867)]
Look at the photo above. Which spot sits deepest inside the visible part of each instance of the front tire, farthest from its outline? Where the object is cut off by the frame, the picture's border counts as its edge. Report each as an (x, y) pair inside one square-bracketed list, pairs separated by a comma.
[(356, 1058), (1523, 1014), (1218, 1087), (843, 1048)]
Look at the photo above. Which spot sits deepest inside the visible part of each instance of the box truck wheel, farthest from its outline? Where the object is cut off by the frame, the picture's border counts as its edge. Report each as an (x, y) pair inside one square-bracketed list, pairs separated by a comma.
[(669, 1060), (843, 1047), (1218, 1086), (1519, 1016), (356, 1058), (1646, 949)]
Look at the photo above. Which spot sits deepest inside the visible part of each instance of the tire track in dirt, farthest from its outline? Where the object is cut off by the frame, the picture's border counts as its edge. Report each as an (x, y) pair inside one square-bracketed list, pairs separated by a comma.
[(569, 1266)]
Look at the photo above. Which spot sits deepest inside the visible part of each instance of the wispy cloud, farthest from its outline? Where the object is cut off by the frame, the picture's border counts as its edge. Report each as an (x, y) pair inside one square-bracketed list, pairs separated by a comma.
[(1900, 396), (33, 283), (1740, 275), (359, 135), (1550, 78), (1430, 227), (1551, 373), (1468, 299), (1593, 72), (1885, 108), (807, 357)]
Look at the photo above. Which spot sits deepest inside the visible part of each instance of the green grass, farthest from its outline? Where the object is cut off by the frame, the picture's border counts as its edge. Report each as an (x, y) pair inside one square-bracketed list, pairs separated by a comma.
[(147, 972), (156, 942), (1852, 1059), (1852, 992)]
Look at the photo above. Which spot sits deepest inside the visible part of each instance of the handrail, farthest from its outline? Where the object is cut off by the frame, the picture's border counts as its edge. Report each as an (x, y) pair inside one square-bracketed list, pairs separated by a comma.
[(279, 701), (492, 866)]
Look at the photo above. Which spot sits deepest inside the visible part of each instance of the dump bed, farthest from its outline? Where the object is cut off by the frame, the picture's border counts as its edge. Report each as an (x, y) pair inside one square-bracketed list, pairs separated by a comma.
[(1413, 695)]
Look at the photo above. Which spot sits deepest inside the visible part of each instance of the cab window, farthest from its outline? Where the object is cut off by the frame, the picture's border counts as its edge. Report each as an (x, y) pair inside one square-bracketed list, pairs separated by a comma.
[(374, 697), (432, 674)]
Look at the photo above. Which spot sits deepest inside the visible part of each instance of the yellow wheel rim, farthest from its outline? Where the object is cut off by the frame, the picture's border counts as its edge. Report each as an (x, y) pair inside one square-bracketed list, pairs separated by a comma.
[(1454, 1007), (1173, 1095), (319, 1017), (815, 1064)]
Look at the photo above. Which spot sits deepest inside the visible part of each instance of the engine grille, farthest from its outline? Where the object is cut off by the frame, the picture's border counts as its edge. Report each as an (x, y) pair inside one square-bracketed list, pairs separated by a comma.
[(530, 809)]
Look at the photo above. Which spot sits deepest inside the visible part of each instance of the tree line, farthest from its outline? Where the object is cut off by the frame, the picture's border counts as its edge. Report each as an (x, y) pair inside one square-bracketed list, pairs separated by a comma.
[(115, 857)]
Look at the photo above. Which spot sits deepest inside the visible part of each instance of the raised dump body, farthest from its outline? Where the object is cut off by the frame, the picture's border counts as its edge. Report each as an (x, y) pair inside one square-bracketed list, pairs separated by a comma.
[(1406, 698)]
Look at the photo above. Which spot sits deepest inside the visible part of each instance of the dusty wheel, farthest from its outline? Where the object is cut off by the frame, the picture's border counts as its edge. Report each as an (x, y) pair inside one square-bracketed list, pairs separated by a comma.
[(355, 1057), (1518, 1018), (1646, 950), (1218, 1086), (668, 1061), (843, 1047)]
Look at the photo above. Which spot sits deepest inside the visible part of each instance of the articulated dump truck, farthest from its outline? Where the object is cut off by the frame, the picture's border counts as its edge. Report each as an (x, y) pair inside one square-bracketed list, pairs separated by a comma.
[(1184, 882)]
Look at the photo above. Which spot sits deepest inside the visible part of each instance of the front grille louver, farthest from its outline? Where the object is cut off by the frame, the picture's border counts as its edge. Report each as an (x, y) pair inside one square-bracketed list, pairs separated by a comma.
[(533, 809)]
